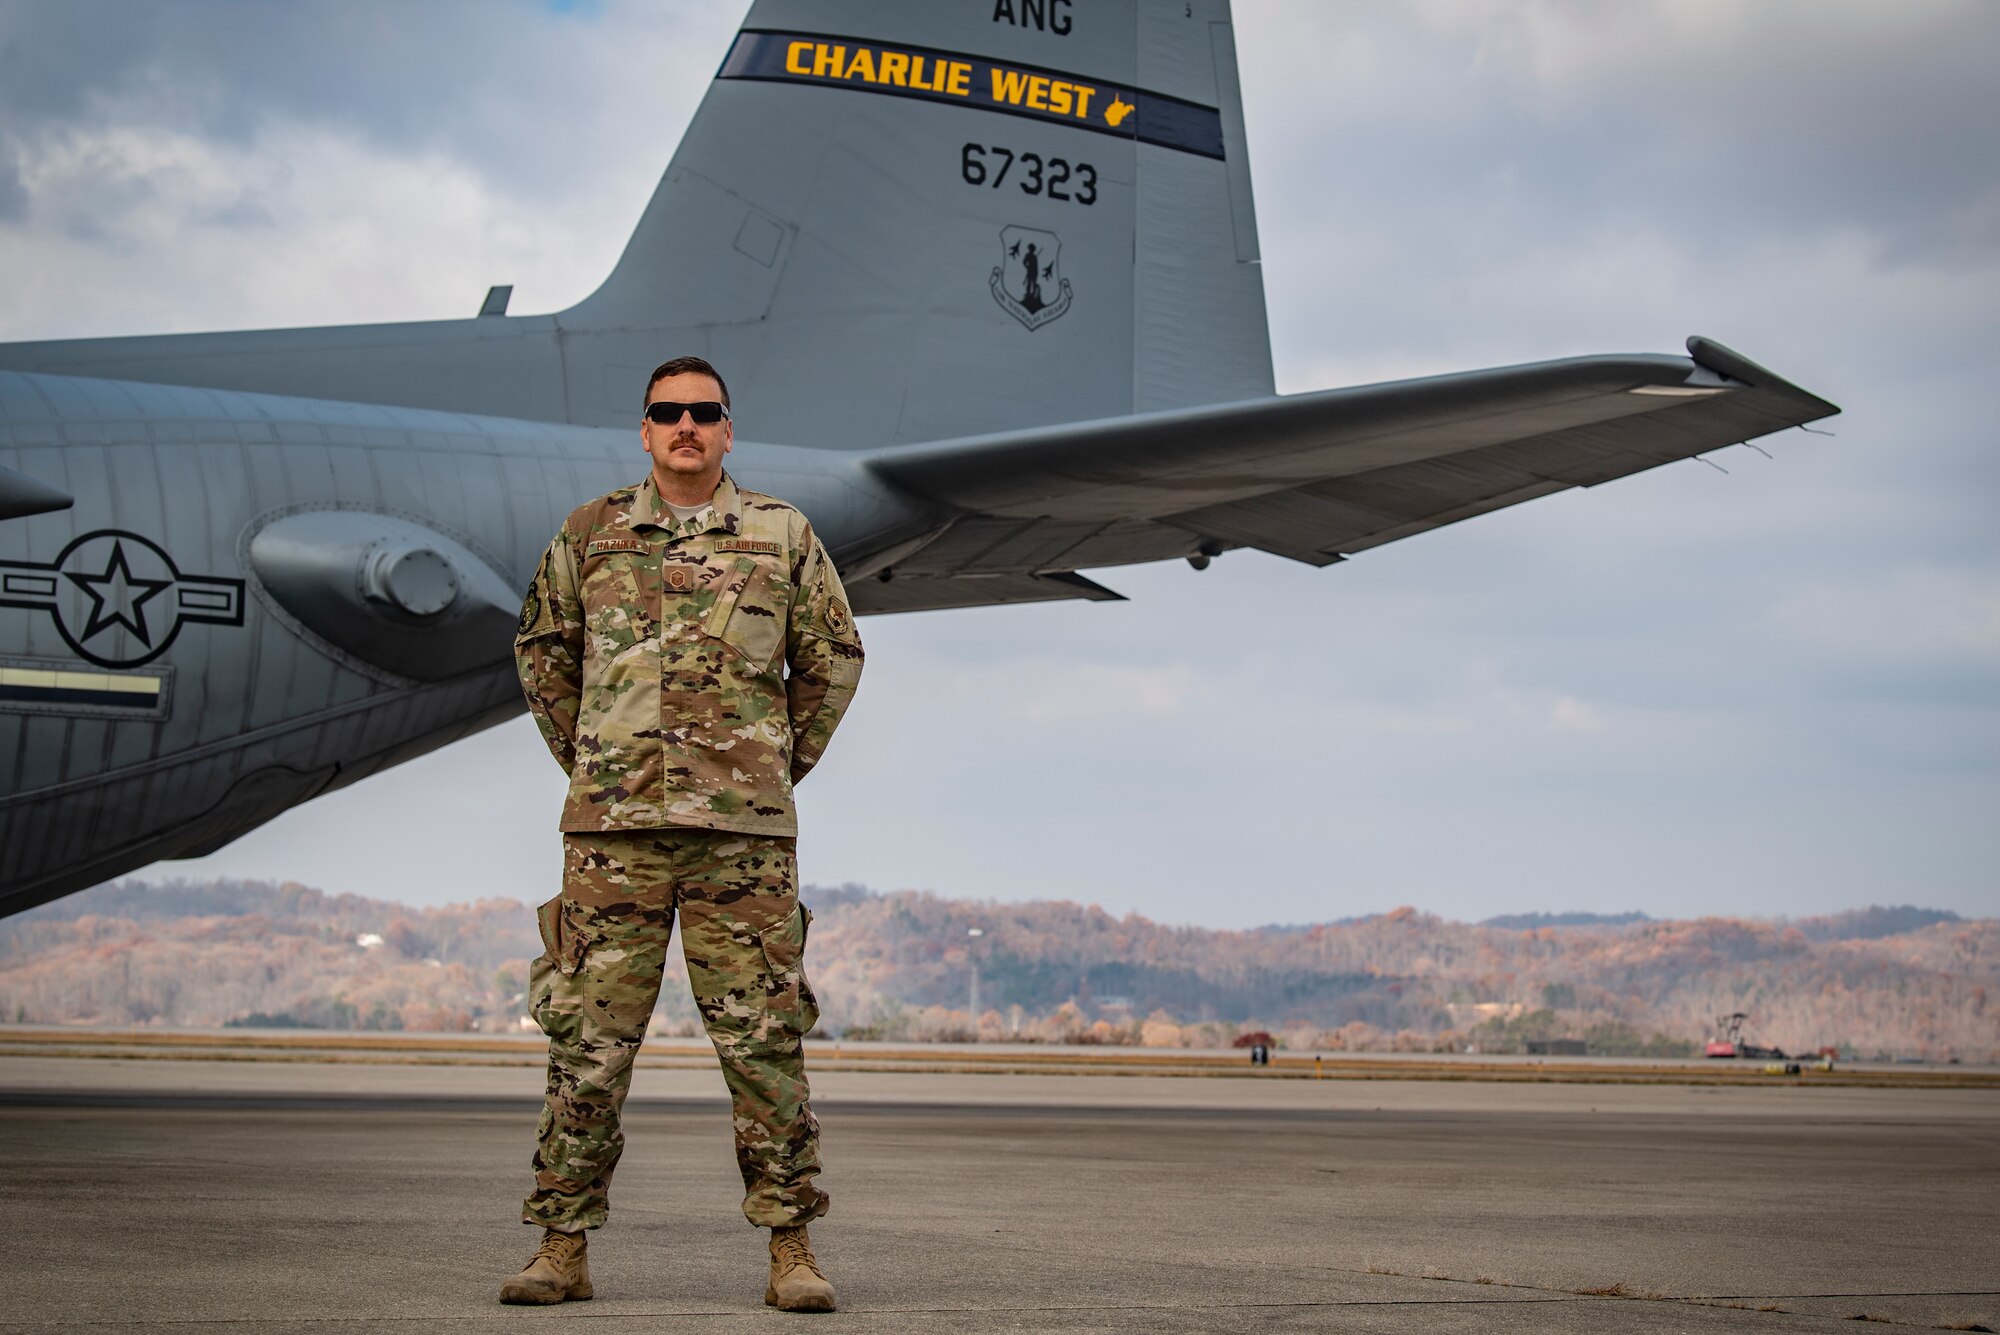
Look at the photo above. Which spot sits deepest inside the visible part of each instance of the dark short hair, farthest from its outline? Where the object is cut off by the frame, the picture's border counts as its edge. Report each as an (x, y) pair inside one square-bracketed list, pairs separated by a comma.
[(686, 366)]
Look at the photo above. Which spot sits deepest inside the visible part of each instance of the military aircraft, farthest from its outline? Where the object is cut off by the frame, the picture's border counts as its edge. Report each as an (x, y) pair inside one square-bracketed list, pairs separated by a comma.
[(983, 276)]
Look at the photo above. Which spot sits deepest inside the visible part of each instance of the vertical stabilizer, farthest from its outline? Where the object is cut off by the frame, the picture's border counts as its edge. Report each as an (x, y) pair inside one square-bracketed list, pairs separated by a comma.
[(890, 221), (910, 221)]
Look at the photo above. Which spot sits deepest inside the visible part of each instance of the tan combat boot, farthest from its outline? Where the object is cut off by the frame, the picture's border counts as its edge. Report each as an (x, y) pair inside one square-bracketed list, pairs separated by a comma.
[(558, 1270), (796, 1283)]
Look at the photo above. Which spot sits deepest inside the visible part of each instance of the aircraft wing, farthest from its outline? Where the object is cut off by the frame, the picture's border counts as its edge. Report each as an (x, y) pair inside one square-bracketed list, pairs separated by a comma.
[(1313, 477)]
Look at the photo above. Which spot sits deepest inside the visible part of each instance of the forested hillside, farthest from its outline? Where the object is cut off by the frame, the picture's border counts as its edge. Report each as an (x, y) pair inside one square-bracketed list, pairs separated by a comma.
[(911, 966)]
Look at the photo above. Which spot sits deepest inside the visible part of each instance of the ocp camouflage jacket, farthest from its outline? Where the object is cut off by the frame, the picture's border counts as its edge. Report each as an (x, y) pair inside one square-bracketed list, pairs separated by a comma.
[(686, 673)]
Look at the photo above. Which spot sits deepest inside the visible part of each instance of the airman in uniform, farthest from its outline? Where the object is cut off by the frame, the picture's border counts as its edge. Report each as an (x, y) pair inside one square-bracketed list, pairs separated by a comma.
[(687, 650)]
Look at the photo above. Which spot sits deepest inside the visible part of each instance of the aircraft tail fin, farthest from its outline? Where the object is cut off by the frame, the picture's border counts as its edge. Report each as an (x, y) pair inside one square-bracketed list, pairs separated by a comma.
[(890, 221), (904, 222)]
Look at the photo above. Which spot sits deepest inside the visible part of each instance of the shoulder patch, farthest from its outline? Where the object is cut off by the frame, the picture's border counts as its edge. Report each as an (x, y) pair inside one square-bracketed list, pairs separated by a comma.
[(837, 617), (529, 608), (750, 545), (613, 545)]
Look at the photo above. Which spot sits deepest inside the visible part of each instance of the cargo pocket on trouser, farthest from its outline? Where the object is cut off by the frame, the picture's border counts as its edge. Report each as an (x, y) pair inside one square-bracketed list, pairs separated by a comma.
[(577, 1141), (553, 998), (793, 1006)]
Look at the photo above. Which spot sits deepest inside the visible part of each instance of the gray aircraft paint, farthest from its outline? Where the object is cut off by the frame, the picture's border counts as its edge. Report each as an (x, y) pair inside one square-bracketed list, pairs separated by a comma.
[(289, 553)]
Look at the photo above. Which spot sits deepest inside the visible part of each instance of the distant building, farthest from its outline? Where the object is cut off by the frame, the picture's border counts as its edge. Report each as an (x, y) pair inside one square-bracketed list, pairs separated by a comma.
[(1464, 1013)]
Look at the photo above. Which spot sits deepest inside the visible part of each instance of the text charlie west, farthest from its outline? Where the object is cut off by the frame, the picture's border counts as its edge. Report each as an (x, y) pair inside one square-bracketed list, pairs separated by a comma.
[(942, 75)]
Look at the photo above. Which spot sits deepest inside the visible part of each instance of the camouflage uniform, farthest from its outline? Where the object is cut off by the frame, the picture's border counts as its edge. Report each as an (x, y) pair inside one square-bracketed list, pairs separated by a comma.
[(686, 674)]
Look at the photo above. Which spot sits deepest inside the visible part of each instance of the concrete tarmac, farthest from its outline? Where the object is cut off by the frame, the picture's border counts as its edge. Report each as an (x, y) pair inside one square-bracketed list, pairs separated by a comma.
[(305, 1196)]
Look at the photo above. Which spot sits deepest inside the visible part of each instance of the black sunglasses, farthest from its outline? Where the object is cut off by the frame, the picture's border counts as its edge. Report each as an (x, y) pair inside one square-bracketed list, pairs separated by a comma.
[(706, 413)]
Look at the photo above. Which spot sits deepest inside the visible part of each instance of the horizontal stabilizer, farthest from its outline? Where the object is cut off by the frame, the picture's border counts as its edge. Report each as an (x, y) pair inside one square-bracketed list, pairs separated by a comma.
[(1320, 475)]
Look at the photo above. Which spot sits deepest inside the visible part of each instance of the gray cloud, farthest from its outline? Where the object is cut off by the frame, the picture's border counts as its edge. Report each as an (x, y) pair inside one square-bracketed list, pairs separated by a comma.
[(13, 193), (1789, 116), (507, 89)]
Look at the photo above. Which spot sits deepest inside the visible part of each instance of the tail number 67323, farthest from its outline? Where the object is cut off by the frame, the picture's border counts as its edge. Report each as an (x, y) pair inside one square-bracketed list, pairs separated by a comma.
[(1057, 178)]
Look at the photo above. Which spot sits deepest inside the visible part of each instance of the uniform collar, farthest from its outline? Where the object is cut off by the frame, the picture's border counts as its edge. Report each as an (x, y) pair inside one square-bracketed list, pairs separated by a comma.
[(725, 510)]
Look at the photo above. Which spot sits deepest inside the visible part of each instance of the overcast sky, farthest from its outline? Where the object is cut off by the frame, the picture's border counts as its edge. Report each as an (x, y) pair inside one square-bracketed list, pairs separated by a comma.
[(1772, 691)]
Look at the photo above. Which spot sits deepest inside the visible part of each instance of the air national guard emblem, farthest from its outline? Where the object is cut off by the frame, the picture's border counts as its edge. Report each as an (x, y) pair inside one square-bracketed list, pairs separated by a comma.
[(1029, 284)]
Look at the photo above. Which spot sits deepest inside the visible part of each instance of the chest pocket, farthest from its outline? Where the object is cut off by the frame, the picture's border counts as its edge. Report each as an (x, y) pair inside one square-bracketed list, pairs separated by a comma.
[(748, 614)]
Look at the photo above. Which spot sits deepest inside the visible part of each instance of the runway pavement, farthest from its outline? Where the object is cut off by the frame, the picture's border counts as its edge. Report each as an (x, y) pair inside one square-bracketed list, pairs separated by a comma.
[(304, 1195)]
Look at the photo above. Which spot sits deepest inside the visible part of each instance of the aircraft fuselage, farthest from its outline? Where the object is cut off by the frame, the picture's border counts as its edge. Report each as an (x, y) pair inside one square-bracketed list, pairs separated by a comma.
[(256, 599)]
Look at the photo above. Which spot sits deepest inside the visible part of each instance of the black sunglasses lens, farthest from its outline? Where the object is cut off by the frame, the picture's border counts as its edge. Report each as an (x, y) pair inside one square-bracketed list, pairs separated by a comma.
[(663, 413)]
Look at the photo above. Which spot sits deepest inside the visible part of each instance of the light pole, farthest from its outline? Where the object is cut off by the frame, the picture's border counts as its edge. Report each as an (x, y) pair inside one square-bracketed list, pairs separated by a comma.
[(972, 1001)]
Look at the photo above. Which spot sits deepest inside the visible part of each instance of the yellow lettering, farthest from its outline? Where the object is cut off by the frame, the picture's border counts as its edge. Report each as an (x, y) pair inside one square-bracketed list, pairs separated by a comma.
[(1038, 94), (959, 84), (895, 68), (1059, 97), (1008, 85), (794, 65), (1083, 96), (828, 59), (862, 64), (917, 79)]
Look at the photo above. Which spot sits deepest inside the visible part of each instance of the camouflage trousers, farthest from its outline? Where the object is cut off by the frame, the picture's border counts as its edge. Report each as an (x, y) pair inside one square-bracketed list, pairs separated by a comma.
[(743, 933)]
